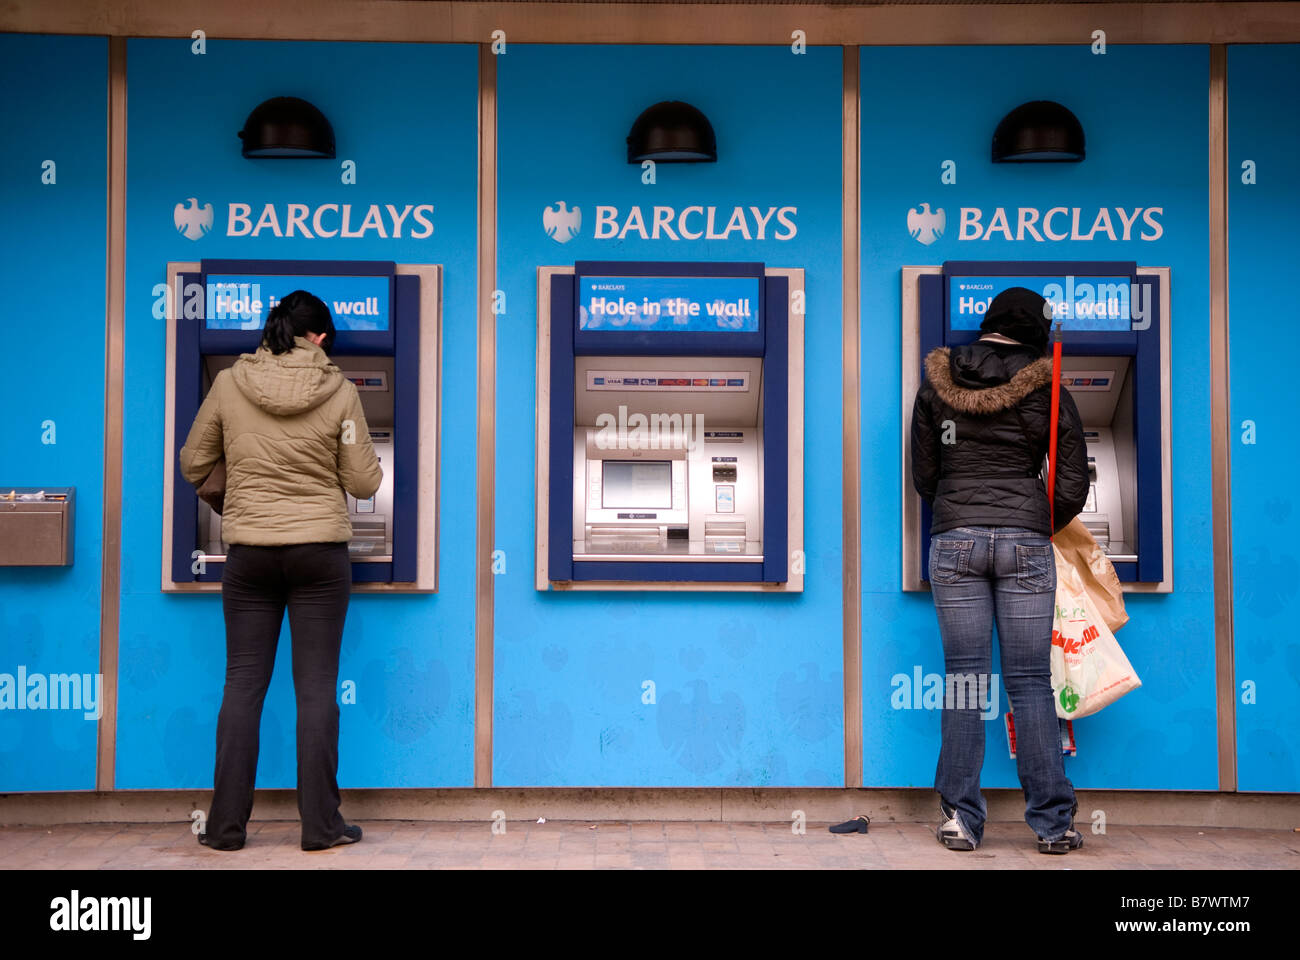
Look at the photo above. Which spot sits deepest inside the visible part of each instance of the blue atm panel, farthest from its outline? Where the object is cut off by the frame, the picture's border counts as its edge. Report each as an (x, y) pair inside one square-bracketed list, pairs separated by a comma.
[(668, 424)]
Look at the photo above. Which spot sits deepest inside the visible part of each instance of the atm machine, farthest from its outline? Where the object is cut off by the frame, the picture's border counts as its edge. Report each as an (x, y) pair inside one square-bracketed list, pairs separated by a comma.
[(387, 343), (1114, 318), (670, 427)]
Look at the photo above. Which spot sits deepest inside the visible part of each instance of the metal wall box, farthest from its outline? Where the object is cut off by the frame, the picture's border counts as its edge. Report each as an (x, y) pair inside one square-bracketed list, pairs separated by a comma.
[(36, 532)]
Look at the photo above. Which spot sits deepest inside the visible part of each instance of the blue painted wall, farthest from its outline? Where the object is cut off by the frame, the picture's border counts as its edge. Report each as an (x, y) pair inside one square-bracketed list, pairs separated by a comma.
[(407, 115), (1265, 556), (52, 252), (749, 688), (1143, 109)]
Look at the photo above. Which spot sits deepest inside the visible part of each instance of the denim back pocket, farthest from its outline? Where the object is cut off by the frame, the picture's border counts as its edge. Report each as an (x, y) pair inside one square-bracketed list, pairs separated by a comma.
[(1035, 567), (949, 559)]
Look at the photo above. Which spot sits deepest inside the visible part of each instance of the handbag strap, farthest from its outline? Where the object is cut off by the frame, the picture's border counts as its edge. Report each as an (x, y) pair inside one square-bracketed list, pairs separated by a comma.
[(1056, 416)]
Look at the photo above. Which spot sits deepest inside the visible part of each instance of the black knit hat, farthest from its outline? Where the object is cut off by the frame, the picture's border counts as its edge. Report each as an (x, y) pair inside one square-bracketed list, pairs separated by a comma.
[(1020, 314)]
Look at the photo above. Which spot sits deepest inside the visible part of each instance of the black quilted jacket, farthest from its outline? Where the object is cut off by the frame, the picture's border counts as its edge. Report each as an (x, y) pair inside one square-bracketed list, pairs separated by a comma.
[(980, 428)]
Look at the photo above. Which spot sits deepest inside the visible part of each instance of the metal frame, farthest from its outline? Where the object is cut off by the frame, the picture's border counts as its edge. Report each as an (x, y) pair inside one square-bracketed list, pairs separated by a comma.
[(542, 470), (110, 599), (486, 423), (440, 21), (851, 387), (1220, 424)]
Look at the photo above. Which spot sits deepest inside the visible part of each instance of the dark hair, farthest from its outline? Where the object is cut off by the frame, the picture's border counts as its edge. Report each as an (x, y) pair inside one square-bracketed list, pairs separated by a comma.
[(297, 315)]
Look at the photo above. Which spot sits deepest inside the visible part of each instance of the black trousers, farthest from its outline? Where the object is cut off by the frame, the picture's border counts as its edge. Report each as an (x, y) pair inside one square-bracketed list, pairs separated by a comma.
[(314, 581)]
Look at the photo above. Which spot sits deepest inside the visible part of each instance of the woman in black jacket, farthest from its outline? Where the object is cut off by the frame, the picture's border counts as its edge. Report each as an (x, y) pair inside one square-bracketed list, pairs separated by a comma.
[(980, 429)]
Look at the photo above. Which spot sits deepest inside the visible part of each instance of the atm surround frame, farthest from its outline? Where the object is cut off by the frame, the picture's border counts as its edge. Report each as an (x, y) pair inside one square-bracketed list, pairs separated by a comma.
[(420, 492), (915, 344), (651, 574)]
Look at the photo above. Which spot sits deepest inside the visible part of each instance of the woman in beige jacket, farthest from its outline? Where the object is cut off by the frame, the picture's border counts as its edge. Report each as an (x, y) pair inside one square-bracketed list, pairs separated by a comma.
[(294, 438)]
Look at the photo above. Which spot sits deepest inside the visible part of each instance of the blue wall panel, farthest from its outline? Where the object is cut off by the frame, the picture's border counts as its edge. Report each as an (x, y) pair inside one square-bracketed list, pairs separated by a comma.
[(1143, 110), (1265, 556), (407, 115), (52, 251), (749, 688)]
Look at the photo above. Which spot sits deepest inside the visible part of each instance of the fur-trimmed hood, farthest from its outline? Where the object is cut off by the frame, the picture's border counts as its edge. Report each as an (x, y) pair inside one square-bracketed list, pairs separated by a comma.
[(989, 399)]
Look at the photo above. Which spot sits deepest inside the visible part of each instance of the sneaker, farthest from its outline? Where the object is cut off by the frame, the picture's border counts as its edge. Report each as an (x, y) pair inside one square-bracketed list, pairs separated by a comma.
[(1071, 840), (351, 834), (951, 833)]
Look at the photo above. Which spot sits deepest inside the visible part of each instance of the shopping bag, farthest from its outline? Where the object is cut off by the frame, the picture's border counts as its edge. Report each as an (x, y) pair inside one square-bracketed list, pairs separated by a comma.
[(1089, 670), (1085, 554)]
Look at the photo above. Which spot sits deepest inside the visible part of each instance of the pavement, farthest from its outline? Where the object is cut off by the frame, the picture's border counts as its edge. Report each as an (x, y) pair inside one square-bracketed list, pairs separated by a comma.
[(638, 845)]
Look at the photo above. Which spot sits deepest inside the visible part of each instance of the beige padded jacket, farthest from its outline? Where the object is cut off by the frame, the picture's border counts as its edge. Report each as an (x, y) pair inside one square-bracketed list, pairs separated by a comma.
[(294, 437)]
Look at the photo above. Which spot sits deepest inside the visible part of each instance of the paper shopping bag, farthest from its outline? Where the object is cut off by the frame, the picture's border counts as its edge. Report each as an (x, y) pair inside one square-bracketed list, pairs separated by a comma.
[(1095, 571)]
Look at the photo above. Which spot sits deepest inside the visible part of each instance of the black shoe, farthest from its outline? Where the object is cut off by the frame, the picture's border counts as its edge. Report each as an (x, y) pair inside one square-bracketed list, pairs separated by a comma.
[(951, 833), (1072, 840), (206, 841), (351, 834), (857, 825)]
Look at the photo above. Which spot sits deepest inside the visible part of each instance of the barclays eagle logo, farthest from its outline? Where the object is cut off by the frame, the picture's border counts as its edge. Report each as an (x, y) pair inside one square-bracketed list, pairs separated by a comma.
[(926, 226), (192, 221), (562, 224)]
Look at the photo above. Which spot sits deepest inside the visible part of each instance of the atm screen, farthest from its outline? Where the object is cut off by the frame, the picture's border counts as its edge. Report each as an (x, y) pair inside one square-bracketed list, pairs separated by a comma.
[(242, 302), (637, 483)]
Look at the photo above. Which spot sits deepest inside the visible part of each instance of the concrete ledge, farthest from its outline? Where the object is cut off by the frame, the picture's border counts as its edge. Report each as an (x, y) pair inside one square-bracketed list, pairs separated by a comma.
[(1193, 809)]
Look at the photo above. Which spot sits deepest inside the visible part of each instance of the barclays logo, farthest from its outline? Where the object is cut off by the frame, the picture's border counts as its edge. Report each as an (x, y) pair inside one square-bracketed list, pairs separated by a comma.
[(561, 224), (696, 222), (1055, 224), (926, 226), (323, 221), (192, 221)]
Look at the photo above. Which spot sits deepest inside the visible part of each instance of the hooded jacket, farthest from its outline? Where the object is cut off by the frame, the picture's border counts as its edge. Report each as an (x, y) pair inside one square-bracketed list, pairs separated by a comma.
[(983, 468), (294, 437)]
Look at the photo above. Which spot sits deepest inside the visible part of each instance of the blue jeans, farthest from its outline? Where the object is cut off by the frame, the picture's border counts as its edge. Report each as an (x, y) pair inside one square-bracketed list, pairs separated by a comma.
[(977, 575)]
